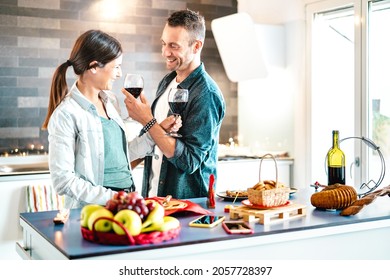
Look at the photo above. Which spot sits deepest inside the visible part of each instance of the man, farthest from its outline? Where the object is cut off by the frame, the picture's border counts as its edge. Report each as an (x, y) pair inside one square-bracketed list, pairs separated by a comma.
[(182, 166)]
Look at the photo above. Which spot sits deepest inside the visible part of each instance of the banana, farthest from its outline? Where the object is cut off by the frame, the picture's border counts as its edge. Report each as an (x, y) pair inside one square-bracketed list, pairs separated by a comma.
[(154, 219), (169, 223), (153, 227)]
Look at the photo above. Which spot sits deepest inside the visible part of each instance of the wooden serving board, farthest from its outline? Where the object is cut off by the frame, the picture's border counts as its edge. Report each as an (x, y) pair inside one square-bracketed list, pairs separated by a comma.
[(268, 216)]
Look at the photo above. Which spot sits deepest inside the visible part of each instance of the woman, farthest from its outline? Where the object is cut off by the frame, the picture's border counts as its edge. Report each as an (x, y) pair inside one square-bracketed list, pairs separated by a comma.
[(88, 152)]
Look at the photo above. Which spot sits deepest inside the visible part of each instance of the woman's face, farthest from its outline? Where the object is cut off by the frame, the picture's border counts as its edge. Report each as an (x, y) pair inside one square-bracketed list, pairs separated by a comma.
[(109, 73)]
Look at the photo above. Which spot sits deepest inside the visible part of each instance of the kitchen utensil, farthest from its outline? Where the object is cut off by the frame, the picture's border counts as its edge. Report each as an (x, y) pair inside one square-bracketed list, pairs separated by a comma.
[(359, 204)]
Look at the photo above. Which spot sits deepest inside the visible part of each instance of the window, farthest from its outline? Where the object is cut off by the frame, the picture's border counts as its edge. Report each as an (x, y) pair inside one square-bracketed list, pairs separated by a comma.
[(378, 85), (347, 87)]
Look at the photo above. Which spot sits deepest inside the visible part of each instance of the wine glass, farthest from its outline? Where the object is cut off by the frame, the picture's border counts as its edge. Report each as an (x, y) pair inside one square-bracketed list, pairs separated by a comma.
[(177, 100), (134, 83)]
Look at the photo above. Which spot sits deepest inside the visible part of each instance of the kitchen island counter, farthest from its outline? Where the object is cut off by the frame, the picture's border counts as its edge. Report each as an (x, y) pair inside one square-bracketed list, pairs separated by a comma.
[(317, 235)]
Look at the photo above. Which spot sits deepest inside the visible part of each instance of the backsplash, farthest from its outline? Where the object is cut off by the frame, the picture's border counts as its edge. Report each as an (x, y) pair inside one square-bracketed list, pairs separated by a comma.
[(35, 39)]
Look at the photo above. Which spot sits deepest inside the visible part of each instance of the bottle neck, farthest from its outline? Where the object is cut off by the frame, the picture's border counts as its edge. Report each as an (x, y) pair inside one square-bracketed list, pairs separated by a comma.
[(335, 140)]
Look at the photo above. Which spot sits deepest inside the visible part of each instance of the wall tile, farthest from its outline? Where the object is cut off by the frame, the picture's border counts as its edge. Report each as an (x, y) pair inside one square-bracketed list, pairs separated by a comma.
[(32, 102), (9, 2), (11, 121), (39, 42), (46, 72), (8, 41), (172, 4), (8, 20), (18, 52), (7, 82), (14, 92), (32, 22), (125, 28), (18, 71), (34, 82), (37, 61), (52, 4), (16, 132)]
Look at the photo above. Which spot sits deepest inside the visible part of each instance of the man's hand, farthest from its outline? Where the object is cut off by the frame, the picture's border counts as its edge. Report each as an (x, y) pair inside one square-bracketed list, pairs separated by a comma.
[(138, 109), (171, 124)]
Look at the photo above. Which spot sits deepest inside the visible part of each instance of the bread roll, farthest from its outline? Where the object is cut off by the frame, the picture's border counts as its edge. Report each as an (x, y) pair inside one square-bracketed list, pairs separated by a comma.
[(267, 185)]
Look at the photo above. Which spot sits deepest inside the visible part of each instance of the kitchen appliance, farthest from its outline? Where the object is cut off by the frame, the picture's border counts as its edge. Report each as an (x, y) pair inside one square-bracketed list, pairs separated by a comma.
[(18, 161)]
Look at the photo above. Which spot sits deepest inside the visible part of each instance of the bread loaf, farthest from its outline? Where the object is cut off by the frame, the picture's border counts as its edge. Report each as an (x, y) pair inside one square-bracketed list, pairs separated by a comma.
[(335, 196)]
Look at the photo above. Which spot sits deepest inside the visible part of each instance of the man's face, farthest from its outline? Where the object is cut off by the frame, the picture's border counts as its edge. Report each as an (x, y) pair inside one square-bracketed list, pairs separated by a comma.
[(176, 49)]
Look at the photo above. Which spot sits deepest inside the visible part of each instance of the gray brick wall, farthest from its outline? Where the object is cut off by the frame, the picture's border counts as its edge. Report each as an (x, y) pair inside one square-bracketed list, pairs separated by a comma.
[(37, 35)]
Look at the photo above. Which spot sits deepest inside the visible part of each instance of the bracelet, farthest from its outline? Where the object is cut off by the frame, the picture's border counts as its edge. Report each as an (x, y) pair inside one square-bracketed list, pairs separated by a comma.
[(147, 127)]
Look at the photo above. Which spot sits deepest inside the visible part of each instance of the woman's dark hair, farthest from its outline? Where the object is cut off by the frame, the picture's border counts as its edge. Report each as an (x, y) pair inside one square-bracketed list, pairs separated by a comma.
[(192, 21), (93, 45)]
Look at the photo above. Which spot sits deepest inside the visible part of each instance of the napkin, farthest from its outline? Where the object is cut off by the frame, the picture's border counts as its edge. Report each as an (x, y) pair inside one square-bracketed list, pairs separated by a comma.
[(182, 206)]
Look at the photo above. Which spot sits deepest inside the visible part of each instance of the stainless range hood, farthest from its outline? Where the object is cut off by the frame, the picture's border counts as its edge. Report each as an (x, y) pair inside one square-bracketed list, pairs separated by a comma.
[(19, 165)]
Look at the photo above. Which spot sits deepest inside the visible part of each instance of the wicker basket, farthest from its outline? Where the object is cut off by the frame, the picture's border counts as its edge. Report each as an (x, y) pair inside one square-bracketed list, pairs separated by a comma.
[(276, 196), (111, 238)]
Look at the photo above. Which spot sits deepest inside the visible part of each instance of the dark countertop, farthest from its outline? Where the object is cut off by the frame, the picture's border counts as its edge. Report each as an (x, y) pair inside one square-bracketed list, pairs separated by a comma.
[(68, 240)]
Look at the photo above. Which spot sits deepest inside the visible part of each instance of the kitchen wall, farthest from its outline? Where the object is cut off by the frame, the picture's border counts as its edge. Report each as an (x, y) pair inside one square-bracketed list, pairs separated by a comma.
[(37, 35), (277, 103)]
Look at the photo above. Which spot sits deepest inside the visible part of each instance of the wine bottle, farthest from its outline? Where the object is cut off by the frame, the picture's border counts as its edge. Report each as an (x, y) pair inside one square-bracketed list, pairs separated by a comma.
[(336, 162)]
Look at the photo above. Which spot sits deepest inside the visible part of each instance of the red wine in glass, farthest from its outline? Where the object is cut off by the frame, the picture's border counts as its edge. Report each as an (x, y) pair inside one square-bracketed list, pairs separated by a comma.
[(177, 107), (135, 91), (177, 100), (134, 83)]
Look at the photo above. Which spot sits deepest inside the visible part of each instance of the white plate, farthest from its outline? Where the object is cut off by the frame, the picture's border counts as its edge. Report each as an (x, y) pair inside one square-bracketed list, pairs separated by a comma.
[(226, 197)]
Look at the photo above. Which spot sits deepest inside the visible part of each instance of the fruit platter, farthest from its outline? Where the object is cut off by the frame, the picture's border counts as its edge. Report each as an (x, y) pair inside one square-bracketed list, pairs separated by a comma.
[(127, 219)]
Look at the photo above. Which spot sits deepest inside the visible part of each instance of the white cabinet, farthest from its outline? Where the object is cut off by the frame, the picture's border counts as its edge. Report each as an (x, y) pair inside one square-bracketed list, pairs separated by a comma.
[(243, 174), (13, 202)]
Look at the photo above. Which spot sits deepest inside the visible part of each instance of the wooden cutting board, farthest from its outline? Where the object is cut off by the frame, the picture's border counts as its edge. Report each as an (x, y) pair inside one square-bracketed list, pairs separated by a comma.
[(268, 216)]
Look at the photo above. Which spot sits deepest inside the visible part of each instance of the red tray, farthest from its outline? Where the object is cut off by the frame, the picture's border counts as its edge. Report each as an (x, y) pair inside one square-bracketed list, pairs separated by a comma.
[(111, 238)]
